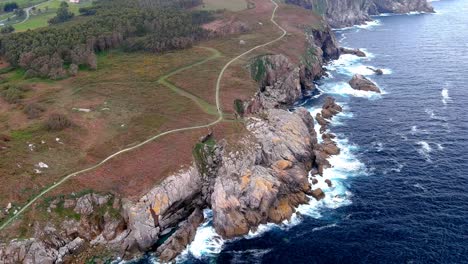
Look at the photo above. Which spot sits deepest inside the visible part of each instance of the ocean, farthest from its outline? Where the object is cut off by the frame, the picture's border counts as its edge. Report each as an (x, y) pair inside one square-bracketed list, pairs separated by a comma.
[(400, 184)]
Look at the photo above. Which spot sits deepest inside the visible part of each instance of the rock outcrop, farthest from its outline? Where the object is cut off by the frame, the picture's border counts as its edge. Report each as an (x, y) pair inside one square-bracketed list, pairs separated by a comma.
[(402, 6), (95, 220), (327, 147), (355, 52), (345, 13), (281, 82), (359, 82)]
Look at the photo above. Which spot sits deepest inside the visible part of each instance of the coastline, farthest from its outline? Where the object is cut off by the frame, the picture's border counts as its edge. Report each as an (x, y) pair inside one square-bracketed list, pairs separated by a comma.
[(259, 112)]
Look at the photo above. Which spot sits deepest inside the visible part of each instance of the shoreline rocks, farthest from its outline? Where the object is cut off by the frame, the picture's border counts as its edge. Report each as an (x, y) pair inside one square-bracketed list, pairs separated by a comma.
[(356, 52), (347, 13), (361, 83)]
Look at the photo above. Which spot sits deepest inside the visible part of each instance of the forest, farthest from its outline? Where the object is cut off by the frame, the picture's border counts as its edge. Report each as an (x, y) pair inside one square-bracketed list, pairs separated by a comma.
[(144, 25)]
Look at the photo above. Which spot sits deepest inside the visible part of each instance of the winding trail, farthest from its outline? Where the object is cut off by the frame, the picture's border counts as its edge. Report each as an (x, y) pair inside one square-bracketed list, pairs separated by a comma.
[(218, 108)]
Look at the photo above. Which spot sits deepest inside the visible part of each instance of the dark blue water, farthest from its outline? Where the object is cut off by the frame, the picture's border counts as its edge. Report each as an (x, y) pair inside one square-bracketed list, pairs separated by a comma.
[(403, 175)]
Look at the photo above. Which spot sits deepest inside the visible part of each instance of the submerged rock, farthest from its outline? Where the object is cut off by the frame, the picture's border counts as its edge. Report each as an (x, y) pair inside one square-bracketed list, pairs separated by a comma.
[(376, 71), (361, 83)]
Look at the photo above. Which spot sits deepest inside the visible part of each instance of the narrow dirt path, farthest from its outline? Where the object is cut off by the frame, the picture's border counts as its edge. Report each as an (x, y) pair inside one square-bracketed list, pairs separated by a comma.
[(219, 112), (204, 105)]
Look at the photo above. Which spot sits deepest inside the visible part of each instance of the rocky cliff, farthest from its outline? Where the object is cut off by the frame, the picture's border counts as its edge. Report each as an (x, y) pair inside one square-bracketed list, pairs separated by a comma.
[(344, 13), (259, 179)]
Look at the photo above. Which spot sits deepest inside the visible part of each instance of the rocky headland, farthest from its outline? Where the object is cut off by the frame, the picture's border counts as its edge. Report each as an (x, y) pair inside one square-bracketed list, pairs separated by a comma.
[(345, 13), (259, 179)]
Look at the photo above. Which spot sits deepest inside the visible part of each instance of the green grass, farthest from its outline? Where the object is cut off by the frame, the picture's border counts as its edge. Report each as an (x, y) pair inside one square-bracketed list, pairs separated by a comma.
[(22, 3), (231, 5), (25, 134), (38, 20)]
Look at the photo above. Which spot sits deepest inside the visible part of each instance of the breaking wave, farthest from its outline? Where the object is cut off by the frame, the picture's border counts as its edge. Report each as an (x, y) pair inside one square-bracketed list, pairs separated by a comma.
[(445, 96), (425, 149), (344, 89)]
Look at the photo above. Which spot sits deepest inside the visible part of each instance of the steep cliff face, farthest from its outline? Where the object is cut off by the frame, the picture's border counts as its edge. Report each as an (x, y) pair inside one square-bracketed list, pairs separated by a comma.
[(283, 83), (344, 13), (402, 6)]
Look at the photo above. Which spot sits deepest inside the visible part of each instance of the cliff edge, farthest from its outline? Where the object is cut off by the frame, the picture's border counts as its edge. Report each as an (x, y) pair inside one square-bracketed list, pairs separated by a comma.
[(345, 13)]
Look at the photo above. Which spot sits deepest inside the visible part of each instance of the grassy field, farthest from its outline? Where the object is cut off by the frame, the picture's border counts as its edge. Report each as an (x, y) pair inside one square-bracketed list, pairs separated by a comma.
[(22, 3), (231, 5), (48, 11)]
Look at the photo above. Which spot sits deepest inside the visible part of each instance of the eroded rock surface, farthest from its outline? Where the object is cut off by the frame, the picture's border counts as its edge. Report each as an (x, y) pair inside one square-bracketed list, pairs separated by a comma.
[(361, 83)]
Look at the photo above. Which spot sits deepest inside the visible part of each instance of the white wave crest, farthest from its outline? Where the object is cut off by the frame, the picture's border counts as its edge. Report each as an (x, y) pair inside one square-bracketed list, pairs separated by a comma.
[(206, 242), (445, 96), (425, 150), (344, 89), (430, 112)]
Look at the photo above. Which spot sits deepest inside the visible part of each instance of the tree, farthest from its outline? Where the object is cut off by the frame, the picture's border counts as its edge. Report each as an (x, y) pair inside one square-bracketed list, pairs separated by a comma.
[(63, 14), (7, 29), (9, 7), (20, 12)]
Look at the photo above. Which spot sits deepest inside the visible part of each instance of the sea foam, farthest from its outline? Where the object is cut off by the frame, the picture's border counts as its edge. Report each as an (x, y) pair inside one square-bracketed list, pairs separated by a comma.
[(445, 96)]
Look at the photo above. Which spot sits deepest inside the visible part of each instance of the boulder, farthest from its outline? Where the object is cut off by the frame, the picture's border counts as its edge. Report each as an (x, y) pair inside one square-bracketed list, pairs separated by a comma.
[(318, 194), (328, 136), (328, 182), (355, 52), (361, 83), (314, 181), (69, 203), (329, 147), (320, 120)]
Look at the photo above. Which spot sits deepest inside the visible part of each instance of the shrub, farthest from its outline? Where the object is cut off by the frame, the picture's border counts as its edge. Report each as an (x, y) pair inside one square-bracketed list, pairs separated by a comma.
[(239, 107), (57, 122), (12, 94), (7, 29), (33, 110), (73, 71)]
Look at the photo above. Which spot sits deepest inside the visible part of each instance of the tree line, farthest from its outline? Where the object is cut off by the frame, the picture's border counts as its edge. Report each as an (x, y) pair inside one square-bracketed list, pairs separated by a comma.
[(149, 25)]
